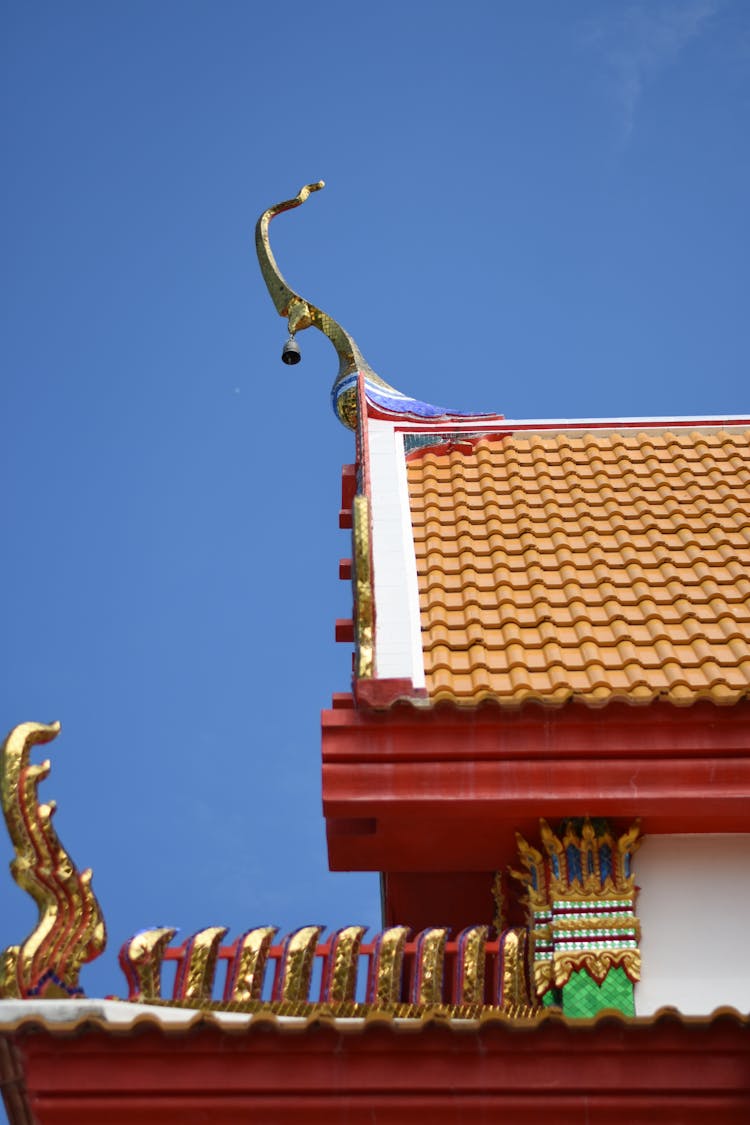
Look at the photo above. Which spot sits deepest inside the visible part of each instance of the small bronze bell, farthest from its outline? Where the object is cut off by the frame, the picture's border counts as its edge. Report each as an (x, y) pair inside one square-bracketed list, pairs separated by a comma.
[(291, 353)]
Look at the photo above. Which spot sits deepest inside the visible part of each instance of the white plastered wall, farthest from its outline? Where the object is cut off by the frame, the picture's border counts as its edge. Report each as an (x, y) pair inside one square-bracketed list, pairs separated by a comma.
[(694, 907), (398, 635)]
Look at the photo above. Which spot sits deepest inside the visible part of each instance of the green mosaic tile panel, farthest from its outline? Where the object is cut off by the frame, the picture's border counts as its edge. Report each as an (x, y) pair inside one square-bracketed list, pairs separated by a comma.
[(583, 997)]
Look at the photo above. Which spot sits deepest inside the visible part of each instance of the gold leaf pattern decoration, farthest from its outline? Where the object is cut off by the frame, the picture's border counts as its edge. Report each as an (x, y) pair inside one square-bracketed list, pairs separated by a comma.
[(70, 930), (363, 594)]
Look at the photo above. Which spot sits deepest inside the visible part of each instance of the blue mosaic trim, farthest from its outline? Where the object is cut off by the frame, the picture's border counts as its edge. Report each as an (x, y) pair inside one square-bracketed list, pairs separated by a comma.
[(391, 399), (51, 977)]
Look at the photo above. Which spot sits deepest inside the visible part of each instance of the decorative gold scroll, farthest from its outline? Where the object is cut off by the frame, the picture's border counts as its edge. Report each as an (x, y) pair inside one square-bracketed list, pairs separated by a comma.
[(498, 899), (197, 978), (543, 974), (141, 959), (363, 596), (250, 964), (343, 980), (513, 953), (473, 967), (298, 963), (597, 965), (534, 878), (390, 959), (301, 314), (143, 955), (430, 969), (70, 930)]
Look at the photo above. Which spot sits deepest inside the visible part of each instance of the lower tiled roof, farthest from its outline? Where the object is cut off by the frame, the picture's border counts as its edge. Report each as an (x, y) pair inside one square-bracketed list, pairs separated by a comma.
[(86, 1017), (589, 566)]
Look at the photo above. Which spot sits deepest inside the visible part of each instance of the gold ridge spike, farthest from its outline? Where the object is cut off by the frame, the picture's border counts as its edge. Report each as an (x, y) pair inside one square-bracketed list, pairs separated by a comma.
[(247, 972), (302, 314), (384, 984), (471, 960), (512, 976), (70, 930), (195, 976), (297, 964), (340, 981), (427, 985), (141, 960)]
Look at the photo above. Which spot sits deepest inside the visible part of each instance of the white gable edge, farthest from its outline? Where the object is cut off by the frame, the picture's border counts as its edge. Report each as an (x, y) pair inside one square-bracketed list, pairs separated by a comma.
[(398, 632)]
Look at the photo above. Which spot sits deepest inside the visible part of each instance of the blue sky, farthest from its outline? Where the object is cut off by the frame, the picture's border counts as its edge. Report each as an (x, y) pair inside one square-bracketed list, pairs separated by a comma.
[(534, 208)]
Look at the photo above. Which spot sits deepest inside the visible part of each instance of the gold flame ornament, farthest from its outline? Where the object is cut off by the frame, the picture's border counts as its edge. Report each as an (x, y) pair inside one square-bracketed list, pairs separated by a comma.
[(70, 930)]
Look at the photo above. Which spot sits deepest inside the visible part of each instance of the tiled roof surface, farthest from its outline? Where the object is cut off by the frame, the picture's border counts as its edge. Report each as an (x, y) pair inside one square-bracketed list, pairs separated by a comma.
[(239, 1024), (594, 566)]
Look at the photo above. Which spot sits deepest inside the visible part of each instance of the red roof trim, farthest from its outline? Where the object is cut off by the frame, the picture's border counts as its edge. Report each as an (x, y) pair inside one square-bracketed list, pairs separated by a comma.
[(481, 774), (608, 1069), (380, 695), (563, 424)]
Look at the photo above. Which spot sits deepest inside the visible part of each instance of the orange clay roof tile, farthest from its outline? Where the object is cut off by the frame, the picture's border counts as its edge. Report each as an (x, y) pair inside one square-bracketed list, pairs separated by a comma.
[(594, 567)]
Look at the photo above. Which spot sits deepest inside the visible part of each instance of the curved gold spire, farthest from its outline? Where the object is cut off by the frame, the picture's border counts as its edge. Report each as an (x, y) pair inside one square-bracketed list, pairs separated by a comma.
[(302, 314)]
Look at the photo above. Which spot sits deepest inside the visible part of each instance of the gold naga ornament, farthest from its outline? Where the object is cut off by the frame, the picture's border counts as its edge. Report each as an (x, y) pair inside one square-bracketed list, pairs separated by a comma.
[(301, 314), (70, 930), (354, 377)]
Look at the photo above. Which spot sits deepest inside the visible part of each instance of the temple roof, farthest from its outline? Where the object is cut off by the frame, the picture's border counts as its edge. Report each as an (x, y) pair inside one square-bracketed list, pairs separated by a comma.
[(588, 565), (516, 563), (119, 1018)]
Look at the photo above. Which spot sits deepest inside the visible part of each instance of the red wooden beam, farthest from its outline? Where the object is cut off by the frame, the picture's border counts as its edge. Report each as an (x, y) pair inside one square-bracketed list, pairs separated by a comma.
[(444, 789), (607, 1070)]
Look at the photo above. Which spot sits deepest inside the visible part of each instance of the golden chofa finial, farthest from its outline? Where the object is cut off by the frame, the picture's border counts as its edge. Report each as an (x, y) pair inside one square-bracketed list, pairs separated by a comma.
[(302, 314)]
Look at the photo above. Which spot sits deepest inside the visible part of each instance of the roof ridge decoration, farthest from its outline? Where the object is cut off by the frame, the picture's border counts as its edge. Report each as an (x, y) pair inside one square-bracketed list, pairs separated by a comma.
[(301, 314), (396, 973), (401, 975), (70, 929)]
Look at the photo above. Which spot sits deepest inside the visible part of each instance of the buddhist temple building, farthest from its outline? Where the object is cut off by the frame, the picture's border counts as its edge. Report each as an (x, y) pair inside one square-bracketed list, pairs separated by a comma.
[(545, 753)]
